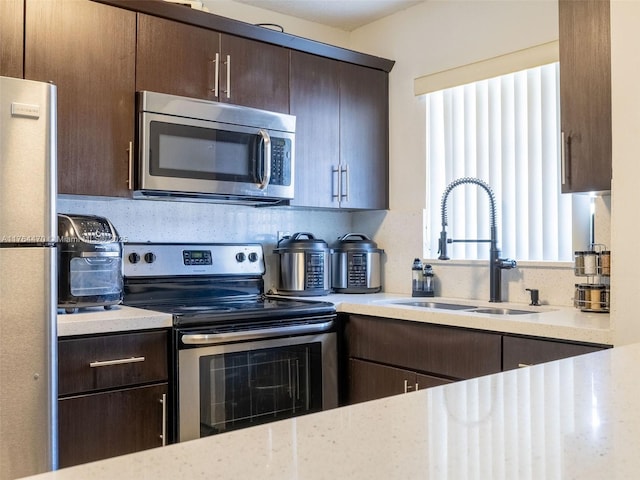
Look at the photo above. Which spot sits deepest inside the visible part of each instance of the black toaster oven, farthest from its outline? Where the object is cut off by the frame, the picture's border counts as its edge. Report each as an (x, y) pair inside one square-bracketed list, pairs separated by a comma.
[(89, 262)]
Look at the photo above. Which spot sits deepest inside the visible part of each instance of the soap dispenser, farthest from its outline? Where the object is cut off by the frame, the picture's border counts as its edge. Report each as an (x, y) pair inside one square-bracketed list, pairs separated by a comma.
[(428, 282), (416, 278)]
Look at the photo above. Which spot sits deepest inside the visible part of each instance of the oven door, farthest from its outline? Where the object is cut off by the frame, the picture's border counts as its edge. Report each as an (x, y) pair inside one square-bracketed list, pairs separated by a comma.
[(231, 386), (203, 157)]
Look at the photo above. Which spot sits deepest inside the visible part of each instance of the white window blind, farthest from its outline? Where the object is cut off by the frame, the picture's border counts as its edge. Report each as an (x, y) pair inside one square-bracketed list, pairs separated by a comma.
[(504, 131)]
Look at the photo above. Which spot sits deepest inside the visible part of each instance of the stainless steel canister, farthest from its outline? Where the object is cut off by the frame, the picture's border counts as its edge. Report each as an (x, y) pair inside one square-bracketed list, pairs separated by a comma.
[(304, 265)]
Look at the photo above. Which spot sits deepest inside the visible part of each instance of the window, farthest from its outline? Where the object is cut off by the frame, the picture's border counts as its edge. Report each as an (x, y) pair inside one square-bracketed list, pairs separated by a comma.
[(504, 131)]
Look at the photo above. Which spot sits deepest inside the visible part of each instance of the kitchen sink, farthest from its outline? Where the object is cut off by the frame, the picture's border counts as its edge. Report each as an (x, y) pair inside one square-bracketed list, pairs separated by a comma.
[(463, 307), (429, 304), (501, 311)]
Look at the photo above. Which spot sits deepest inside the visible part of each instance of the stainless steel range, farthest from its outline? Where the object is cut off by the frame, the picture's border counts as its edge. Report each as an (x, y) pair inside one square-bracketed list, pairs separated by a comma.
[(241, 358)]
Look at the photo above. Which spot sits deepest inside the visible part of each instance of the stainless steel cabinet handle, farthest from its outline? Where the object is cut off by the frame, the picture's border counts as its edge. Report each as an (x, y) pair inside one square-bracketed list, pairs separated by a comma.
[(228, 64), (163, 435), (335, 191), (130, 173), (120, 361), (266, 168), (216, 75), (345, 195), (408, 388), (565, 159), (523, 365)]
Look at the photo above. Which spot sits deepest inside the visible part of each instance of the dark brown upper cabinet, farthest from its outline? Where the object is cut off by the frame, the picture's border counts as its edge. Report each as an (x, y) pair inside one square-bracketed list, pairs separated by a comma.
[(585, 95), (11, 37), (364, 138), (315, 101), (341, 133), (191, 61), (88, 51)]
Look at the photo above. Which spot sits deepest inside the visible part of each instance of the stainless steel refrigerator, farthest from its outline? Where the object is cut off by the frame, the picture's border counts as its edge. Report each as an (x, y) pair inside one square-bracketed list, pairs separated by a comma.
[(28, 294)]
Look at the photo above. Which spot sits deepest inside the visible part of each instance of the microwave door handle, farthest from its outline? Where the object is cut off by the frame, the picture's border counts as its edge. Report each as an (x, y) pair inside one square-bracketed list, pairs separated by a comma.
[(265, 141)]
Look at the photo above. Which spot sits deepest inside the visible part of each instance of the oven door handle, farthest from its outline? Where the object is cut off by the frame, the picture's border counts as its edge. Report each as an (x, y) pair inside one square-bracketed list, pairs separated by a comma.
[(216, 338)]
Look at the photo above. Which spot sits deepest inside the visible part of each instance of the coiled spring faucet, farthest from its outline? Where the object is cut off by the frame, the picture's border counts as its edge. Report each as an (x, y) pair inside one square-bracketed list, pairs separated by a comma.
[(496, 264)]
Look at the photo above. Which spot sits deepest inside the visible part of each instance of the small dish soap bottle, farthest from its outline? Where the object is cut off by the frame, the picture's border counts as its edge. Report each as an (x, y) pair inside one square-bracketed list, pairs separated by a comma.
[(428, 282), (416, 278)]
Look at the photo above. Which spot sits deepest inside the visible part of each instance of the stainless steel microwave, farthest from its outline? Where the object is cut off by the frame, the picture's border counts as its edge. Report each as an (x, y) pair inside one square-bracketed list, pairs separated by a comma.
[(209, 151)]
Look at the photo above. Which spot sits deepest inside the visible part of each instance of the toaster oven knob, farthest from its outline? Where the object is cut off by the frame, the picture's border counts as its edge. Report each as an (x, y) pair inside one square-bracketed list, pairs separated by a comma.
[(134, 257), (240, 257), (253, 257), (149, 257)]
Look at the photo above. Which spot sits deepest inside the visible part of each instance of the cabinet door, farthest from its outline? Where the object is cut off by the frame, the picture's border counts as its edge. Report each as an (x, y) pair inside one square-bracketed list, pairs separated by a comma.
[(88, 50), (254, 74), (585, 94), (364, 137), (315, 101), (11, 35), (368, 381), (102, 425), (176, 58), (521, 352), (428, 381)]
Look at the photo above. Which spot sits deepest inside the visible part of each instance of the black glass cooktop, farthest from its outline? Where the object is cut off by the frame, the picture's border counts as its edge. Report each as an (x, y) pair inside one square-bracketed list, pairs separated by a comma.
[(260, 309)]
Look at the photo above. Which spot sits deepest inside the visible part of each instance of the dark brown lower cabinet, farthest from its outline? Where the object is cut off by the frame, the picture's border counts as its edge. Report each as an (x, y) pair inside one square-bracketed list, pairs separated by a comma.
[(370, 380), (112, 395), (385, 352), (520, 352), (388, 356), (102, 425)]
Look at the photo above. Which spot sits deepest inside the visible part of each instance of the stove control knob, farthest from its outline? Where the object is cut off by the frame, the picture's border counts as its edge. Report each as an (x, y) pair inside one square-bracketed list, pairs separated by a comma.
[(149, 257), (240, 257), (253, 257), (134, 257)]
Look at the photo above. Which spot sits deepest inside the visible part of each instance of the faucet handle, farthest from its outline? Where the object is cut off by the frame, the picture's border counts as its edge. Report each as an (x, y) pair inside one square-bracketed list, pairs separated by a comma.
[(442, 245)]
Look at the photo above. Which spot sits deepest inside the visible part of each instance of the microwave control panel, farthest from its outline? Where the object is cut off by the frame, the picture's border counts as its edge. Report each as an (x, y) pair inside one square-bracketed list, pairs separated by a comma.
[(280, 161)]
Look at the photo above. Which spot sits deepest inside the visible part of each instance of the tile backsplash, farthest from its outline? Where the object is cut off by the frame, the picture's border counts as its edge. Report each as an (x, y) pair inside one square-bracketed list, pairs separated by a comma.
[(399, 233), (165, 221)]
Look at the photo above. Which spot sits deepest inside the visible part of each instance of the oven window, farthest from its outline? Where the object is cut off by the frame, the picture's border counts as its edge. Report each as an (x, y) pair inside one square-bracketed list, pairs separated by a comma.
[(187, 151), (242, 389)]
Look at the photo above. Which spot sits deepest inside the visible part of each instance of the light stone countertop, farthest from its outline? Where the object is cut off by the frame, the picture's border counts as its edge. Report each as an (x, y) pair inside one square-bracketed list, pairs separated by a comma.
[(564, 323), (576, 418), (119, 319)]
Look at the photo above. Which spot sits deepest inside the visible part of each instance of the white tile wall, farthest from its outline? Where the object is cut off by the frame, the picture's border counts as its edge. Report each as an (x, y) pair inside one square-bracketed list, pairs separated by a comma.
[(398, 233), (164, 221)]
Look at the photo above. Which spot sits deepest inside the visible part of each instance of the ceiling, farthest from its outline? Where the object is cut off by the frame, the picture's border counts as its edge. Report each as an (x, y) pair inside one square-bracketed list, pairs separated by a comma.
[(343, 14)]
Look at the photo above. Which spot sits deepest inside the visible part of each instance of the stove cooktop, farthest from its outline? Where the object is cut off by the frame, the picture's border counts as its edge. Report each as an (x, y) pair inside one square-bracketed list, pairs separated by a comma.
[(220, 311)]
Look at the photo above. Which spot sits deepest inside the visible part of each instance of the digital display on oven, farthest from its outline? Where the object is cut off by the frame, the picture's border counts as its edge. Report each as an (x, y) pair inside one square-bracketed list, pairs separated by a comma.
[(196, 257)]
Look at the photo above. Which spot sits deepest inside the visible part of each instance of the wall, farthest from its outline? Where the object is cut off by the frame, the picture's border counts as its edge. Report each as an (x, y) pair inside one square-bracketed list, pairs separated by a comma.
[(430, 37), (161, 221), (157, 221), (291, 25), (625, 71)]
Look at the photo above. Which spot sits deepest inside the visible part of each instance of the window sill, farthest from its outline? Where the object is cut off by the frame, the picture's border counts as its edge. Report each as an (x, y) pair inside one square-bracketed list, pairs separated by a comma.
[(521, 264)]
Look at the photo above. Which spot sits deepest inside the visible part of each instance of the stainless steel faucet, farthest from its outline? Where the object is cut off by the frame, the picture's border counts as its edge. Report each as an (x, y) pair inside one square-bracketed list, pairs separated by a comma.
[(496, 264)]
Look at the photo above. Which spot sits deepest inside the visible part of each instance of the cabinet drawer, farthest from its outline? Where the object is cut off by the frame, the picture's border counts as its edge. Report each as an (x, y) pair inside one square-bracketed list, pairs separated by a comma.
[(111, 361), (442, 351), (521, 352)]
